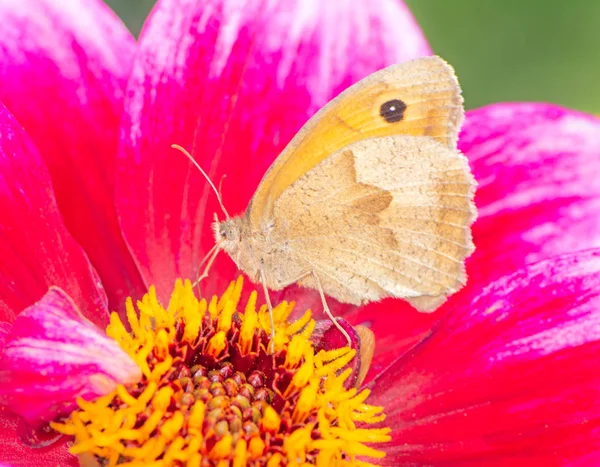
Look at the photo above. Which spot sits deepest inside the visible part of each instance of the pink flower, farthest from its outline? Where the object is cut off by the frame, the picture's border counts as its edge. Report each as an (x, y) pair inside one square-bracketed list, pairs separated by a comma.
[(97, 207)]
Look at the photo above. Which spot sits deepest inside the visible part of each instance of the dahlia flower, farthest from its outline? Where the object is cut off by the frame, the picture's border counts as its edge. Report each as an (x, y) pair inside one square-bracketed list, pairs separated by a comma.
[(99, 215)]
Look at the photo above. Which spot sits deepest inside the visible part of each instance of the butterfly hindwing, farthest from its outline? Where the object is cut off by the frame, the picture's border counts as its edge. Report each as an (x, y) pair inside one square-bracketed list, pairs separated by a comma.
[(382, 217)]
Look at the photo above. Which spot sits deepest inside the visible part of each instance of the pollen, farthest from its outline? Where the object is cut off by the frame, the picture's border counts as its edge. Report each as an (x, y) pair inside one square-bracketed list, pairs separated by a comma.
[(216, 392)]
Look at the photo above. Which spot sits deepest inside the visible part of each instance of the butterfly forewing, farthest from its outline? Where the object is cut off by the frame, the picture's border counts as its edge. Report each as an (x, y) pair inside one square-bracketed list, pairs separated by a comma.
[(419, 98)]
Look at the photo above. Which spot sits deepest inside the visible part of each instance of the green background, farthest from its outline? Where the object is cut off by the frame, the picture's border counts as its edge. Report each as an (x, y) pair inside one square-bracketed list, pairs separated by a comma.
[(503, 50)]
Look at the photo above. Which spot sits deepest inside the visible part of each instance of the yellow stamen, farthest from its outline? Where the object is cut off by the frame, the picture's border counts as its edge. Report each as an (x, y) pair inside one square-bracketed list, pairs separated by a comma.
[(240, 456), (256, 448), (216, 344), (270, 421), (193, 406), (196, 415)]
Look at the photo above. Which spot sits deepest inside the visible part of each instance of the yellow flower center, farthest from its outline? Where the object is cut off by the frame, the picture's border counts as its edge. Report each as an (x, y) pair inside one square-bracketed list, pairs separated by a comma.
[(213, 395)]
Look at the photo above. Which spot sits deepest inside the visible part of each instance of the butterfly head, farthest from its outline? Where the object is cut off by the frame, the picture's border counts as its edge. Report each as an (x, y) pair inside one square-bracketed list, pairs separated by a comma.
[(228, 233)]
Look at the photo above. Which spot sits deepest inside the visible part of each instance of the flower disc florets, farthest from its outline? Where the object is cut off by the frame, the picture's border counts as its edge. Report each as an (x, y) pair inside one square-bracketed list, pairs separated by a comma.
[(213, 395)]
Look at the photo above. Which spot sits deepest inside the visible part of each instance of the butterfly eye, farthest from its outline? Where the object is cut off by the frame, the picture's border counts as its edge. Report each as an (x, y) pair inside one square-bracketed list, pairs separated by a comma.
[(392, 111), (228, 232)]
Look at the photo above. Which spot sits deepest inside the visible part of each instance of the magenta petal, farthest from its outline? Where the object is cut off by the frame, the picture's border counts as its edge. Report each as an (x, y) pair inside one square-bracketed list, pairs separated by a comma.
[(5, 328), (54, 355), (537, 166), (232, 82), (397, 328), (538, 169), (36, 249), (14, 453), (509, 375), (63, 69)]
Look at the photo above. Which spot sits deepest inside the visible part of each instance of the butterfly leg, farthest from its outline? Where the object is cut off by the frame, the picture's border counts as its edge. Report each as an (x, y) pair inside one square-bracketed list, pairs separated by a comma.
[(210, 257), (263, 280), (323, 301), (328, 311)]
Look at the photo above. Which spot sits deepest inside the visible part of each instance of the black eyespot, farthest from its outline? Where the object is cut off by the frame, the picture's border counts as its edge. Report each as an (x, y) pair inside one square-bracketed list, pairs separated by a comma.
[(392, 111)]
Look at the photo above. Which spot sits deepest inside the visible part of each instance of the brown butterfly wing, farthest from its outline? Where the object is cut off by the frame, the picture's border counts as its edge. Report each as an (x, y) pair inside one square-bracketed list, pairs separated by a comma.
[(383, 217), (419, 98)]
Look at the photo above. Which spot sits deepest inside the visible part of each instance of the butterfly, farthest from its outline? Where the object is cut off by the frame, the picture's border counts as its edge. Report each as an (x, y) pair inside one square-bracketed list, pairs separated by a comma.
[(371, 199)]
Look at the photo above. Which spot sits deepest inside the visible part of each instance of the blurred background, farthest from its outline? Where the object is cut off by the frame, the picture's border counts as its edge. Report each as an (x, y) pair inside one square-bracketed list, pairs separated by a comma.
[(509, 50)]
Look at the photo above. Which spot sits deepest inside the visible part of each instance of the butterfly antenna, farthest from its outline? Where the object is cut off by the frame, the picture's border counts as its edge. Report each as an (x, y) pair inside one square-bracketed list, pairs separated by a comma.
[(212, 185), (221, 185)]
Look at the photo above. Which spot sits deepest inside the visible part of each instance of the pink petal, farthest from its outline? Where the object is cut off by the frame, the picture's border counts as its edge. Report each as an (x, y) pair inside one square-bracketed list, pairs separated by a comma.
[(510, 375), (232, 82), (4, 331), (36, 249), (54, 355), (63, 68), (538, 167), (15, 453), (397, 327)]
